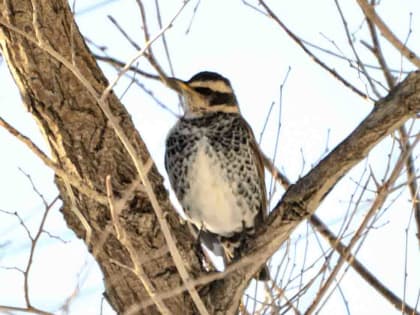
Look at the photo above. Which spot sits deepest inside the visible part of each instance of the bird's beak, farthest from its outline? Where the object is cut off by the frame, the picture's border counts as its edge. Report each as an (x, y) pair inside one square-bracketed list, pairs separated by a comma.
[(179, 86), (191, 99)]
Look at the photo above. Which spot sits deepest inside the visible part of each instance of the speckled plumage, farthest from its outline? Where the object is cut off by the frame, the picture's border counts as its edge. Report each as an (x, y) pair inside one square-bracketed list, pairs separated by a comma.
[(226, 140), (214, 164)]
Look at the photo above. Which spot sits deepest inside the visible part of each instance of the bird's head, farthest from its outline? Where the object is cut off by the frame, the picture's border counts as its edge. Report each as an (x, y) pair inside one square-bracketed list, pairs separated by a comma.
[(206, 92)]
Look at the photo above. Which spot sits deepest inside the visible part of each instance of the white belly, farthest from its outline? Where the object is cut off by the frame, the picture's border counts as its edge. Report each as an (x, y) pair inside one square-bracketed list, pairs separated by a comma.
[(212, 201)]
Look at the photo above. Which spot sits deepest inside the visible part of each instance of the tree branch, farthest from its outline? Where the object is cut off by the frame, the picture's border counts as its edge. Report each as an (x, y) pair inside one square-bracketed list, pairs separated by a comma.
[(301, 44), (370, 14), (361, 270), (303, 198)]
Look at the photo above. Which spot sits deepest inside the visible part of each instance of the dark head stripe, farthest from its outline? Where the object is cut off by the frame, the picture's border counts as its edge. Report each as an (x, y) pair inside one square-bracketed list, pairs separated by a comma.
[(209, 76), (203, 90), (219, 98)]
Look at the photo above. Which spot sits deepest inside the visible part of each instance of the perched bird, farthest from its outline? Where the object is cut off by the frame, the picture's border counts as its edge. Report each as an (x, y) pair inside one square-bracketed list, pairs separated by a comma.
[(214, 164)]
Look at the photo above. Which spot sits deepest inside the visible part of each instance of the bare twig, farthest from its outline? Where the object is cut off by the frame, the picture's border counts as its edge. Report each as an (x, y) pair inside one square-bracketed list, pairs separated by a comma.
[(344, 250), (411, 178), (361, 270), (254, 7), (356, 55), (370, 13), (405, 144), (267, 118), (120, 64), (379, 201), (139, 54), (297, 40), (78, 183), (34, 188), (350, 61), (30, 309), (193, 16), (276, 142), (165, 43), (150, 57), (377, 51), (124, 33), (34, 241)]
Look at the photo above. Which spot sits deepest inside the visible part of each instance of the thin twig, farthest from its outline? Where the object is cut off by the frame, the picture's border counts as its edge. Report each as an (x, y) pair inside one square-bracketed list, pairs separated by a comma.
[(120, 64), (73, 180), (192, 17), (31, 309), (165, 43), (124, 33), (139, 54), (150, 57), (411, 178), (377, 51), (34, 241), (411, 175), (344, 250), (350, 61), (34, 188), (378, 202), (356, 55), (309, 53), (361, 270), (267, 118), (153, 96), (276, 142), (370, 13), (254, 7)]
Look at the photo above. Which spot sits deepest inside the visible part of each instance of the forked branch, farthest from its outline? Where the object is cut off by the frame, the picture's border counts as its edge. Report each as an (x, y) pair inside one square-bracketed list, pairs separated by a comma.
[(304, 197)]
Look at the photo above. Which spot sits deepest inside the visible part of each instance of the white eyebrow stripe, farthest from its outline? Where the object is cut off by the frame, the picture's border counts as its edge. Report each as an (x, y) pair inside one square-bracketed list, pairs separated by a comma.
[(217, 86), (223, 108)]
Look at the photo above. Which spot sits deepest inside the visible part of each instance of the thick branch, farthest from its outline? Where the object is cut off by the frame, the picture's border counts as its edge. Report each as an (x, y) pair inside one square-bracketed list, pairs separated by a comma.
[(303, 198)]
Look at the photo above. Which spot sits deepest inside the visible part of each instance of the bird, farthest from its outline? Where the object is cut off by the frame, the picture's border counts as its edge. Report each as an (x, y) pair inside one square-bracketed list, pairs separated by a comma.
[(215, 166)]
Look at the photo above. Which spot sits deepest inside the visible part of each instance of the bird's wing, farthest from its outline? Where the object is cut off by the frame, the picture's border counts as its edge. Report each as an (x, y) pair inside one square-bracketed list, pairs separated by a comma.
[(259, 162)]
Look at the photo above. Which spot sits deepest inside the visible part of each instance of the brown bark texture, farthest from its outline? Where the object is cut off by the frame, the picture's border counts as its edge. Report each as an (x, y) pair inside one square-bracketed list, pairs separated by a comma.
[(83, 144)]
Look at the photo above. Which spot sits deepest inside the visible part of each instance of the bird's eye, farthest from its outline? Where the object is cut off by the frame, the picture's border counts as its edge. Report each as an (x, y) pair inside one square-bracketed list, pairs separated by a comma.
[(203, 90), (222, 99)]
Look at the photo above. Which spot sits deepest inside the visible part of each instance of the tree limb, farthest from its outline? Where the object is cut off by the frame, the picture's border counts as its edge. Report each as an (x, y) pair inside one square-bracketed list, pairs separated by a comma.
[(304, 197), (370, 13)]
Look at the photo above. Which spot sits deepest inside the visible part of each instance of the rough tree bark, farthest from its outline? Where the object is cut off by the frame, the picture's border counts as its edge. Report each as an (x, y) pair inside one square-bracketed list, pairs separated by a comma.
[(84, 145)]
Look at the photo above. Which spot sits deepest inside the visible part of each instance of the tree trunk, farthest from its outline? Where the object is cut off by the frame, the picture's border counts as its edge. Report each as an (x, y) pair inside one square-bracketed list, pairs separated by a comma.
[(84, 145)]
